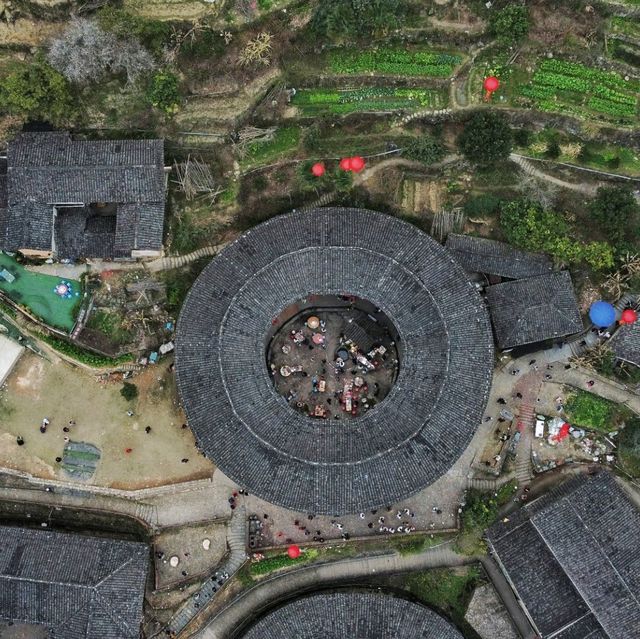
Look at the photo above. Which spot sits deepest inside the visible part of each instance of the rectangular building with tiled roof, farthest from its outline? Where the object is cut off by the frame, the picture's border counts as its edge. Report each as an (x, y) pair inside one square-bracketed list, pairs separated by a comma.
[(480, 255), (534, 309), (74, 586), (625, 343), (75, 198), (572, 560)]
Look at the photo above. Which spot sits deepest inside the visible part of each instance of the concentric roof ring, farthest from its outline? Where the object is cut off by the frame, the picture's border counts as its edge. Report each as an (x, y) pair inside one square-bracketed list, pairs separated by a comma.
[(411, 438)]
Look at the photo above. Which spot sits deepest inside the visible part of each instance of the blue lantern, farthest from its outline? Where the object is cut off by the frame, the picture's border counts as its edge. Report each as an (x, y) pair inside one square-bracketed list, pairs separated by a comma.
[(602, 314)]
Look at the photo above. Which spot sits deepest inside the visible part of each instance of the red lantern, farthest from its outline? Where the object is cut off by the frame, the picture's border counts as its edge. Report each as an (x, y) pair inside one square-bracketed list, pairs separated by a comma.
[(491, 84), (293, 551), (629, 316), (318, 169), (345, 164), (357, 164)]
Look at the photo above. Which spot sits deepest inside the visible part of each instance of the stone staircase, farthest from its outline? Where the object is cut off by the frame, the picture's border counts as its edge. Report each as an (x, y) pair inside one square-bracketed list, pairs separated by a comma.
[(176, 261), (146, 512), (526, 420), (236, 540)]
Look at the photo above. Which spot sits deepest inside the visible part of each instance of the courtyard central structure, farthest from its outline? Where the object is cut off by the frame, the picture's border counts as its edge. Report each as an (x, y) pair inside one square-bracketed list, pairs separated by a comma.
[(434, 315), (333, 357)]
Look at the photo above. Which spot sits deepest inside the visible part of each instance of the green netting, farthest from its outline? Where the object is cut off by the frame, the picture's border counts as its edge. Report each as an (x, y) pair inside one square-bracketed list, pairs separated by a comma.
[(36, 292)]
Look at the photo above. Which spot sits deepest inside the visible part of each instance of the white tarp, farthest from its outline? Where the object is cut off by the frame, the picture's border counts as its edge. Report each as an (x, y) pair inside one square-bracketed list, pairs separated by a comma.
[(9, 354)]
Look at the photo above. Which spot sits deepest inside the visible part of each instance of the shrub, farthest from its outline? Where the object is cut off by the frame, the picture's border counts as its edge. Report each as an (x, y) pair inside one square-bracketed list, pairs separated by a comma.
[(511, 23), (486, 138), (154, 34), (522, 137), (36, 90), (424, 149), (163, 92), (629, 446), (485, 204), (352, 18), (616, 211), (553, 150), (129, 391)]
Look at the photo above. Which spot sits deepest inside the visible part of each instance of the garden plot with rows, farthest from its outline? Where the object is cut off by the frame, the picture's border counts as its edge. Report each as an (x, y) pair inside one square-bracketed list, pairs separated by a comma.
[(568, 87)]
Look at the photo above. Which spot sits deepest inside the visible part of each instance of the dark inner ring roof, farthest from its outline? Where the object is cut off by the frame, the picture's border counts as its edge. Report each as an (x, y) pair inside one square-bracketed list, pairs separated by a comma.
[(320, 466), (352, 615)]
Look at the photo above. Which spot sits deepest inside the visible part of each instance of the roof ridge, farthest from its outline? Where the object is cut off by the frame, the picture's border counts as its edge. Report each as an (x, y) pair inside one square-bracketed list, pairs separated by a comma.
[(568, 503), (113, 615)]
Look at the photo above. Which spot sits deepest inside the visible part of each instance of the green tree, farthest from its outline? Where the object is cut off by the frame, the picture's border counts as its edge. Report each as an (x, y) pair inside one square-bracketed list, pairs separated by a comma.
[(511, 23), (598, 255), (163, 92), (129, 391), (348, 18), (526, 225), (154, 34), (486, 138), (616, 211), (424, 149), (37, 91)]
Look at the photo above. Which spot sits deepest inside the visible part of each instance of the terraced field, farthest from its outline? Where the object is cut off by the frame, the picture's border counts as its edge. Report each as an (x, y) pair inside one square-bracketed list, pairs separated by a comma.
[(369, 99), (568, 87)]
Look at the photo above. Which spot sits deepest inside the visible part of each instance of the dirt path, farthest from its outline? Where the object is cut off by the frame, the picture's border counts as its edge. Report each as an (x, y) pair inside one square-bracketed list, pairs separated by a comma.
[(527, 166)]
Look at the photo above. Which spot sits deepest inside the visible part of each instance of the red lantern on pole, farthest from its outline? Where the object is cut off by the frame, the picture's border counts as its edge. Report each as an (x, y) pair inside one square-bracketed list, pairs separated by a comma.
[(293, 551), (318, 169), (357, 163), (345, 164), (491, 84), (629, 316)]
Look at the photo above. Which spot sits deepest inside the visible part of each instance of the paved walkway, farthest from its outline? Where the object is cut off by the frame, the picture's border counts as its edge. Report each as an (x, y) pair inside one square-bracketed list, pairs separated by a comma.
[(264, 594), (252, 602), (194, 605)]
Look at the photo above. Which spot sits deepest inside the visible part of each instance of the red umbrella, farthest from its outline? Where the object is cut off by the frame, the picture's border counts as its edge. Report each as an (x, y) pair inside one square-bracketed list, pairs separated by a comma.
[(293, 551), (318, 169), (357, 164), (491, 84), (345, 164), (629, 316)]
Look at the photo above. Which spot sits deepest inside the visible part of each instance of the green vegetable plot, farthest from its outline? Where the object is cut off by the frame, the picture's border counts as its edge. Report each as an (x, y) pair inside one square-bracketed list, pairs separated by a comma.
[(566, 86), (396, 62), (341, 101)]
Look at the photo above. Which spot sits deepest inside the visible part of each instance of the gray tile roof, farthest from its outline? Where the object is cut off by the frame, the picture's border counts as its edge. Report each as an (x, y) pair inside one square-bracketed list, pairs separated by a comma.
[(411, 438), (50, 168), (573, 559), (352, 615), (77, 587), (625, 343), (480, 255), (534, 309)]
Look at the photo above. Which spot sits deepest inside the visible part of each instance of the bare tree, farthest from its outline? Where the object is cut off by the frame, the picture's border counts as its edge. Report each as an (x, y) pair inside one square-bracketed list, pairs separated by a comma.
[(85, 53), (540, 191)]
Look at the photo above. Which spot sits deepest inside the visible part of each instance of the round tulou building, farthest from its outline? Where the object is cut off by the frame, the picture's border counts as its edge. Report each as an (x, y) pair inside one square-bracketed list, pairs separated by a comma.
[(334, 360), (352, 615)]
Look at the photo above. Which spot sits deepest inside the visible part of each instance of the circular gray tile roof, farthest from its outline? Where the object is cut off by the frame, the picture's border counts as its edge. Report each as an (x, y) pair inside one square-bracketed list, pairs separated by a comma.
[(352, 615), (322, 466)]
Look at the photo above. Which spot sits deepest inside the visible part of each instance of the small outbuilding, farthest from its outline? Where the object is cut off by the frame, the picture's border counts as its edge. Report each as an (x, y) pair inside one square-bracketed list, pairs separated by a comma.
[(480, 255), (534, 310), (625, 343), (10, 353)]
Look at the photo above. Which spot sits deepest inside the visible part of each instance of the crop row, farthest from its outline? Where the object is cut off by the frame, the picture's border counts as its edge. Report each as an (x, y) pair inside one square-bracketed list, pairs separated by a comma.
[(559, 85), (367, 99), (596, 76), (395, 61)]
